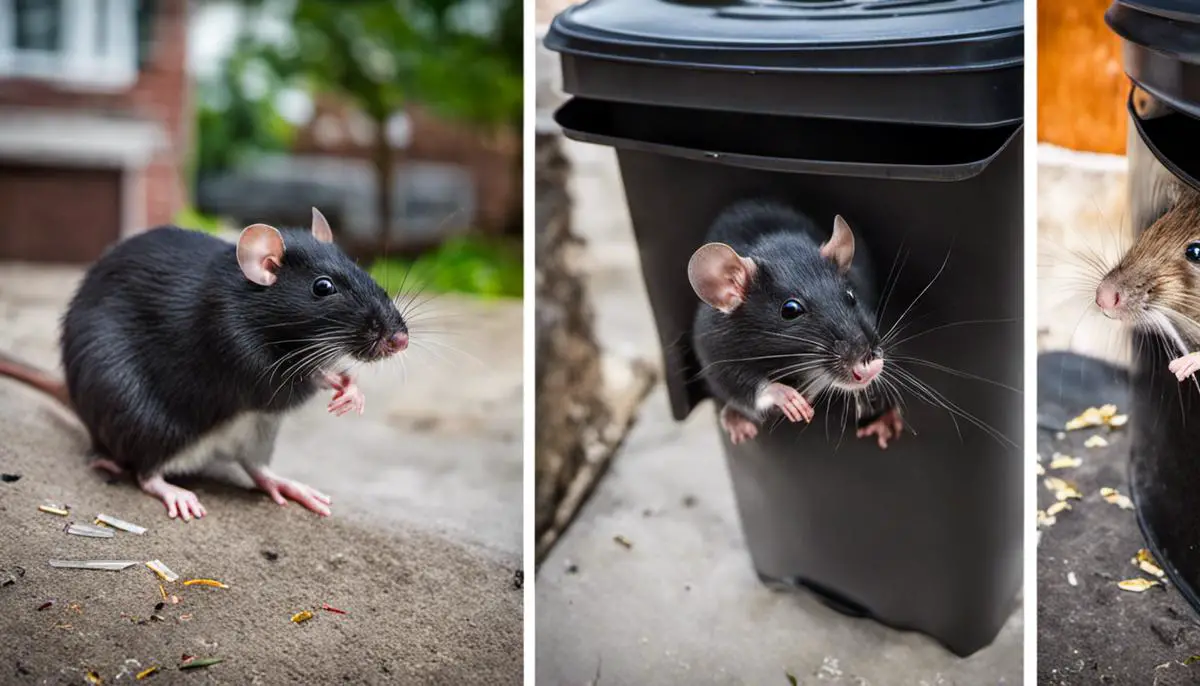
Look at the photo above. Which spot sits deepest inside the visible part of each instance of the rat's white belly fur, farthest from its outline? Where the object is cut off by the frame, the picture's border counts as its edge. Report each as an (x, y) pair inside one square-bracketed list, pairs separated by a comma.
[(248, 439)]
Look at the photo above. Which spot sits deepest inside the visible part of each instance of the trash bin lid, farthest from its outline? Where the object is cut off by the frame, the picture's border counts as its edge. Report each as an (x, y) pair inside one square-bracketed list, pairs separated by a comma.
[(837, 40), (1162, 48)]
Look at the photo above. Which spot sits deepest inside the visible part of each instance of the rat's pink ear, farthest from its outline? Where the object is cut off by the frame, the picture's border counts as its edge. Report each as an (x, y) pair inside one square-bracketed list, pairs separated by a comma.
[(320, 227), (720, 276), (839, 249), (260, 253)]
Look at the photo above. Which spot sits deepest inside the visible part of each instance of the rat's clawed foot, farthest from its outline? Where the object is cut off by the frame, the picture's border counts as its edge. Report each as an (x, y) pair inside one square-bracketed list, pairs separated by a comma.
[(739, 427), (887, 427), (1185, 366), (347, 396), (281, 490), (789, 400), (180, 502)]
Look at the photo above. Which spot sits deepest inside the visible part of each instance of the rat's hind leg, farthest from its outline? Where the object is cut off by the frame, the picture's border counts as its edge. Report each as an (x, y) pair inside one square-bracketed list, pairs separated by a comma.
[(739, 427), (281, 490), (1185, 366), (105, 464), (886, 427), (179, 501), (254, 458)]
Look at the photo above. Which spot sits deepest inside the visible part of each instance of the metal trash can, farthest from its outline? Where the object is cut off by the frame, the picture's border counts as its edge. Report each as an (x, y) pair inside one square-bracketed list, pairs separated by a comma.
[(1163, 62), (905, 116)]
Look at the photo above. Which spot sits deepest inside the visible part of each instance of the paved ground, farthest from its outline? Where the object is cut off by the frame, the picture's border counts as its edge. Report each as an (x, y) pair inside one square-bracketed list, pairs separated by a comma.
[(1090, 631), (683, 604), (422, 548)]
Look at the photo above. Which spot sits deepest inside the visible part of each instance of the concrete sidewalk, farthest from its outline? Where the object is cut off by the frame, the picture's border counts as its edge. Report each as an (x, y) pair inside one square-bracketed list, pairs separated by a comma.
[(683, 605), (422, 548)]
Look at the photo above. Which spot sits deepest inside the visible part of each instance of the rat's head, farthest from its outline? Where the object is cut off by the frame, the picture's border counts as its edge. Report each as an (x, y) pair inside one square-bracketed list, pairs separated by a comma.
[(799, 311), (311, 293), (1159, 276)]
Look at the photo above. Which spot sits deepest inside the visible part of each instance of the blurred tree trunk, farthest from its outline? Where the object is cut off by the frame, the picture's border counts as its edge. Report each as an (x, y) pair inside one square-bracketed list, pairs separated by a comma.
[(514, 226), (567, 376), (383, 182)]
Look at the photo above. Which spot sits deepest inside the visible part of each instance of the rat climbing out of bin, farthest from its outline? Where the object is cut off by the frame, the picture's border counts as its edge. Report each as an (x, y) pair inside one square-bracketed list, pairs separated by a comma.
[(786, 317), (1156, 284), (181, 349)]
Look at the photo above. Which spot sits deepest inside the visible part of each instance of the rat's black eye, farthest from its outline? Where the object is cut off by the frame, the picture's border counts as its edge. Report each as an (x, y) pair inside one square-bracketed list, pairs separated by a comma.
[(1193, 252), (851, 299), (323, 287), (792, 309)]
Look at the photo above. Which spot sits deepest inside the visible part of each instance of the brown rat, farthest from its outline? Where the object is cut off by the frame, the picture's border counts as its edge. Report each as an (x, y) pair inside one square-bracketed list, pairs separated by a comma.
[(786, 315), (1156, 284), (181, 349)]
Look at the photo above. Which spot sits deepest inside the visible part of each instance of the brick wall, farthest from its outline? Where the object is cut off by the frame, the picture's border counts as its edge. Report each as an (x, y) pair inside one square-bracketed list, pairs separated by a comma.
[(160, 93)]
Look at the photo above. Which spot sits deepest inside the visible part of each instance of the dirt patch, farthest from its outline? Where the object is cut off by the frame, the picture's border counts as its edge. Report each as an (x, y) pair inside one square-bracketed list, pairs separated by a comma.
[(1089, 630), (419, 608)]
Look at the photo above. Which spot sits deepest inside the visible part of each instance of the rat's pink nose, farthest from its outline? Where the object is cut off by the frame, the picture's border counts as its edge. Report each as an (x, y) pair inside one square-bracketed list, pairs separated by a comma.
[(396, 343), (865, 372), (1107, 297)]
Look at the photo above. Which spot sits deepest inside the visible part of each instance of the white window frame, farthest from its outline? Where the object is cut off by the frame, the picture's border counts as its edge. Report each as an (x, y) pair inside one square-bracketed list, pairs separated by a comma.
[(81, 64)]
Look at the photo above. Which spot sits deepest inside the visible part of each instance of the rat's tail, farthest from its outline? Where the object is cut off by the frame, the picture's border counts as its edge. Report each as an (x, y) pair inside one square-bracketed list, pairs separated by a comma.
[(38, 378)]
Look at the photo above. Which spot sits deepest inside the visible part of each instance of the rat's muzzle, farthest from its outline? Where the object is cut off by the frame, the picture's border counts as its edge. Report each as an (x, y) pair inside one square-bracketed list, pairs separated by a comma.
[(865, 371), (1108, 299), (393, 344)]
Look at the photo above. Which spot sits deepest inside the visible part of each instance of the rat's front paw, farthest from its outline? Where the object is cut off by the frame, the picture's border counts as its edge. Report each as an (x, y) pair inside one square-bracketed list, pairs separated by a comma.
[(789, 400), (886, 428), (739, 427), (1185, 366), (348, 398)]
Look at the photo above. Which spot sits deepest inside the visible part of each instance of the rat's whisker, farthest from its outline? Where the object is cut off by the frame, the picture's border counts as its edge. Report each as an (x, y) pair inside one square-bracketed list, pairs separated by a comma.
[(791, 371), (945, 403), (922, 293), (889, 289), (967, 322), (419, 345), (756, 358), (432, 342), (956, 372)]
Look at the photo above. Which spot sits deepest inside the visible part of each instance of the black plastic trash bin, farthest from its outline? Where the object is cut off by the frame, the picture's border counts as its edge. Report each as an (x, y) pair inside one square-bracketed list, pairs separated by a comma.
[(905, 117), (1162, 57)]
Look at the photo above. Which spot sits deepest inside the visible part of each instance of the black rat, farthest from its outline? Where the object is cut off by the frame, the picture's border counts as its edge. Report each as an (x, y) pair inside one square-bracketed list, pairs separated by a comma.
[(181, 349), (1156, 283), (785, 316)]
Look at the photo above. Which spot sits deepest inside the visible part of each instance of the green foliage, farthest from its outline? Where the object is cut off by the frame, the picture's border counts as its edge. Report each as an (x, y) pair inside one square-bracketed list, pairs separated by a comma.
[(189, 218), (234, 121), (383, 54), (461, 265)]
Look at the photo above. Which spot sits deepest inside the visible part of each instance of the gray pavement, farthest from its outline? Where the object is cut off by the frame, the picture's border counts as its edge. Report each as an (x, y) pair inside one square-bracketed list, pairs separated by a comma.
[(683, 605)]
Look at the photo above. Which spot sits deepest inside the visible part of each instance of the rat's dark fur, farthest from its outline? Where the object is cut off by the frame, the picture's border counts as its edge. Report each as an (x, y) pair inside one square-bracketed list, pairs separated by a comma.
[(785, 245), (166, 339)]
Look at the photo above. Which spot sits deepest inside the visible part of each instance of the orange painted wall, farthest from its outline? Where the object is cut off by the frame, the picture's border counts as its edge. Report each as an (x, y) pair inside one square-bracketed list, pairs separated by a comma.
[(1082, 88)]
